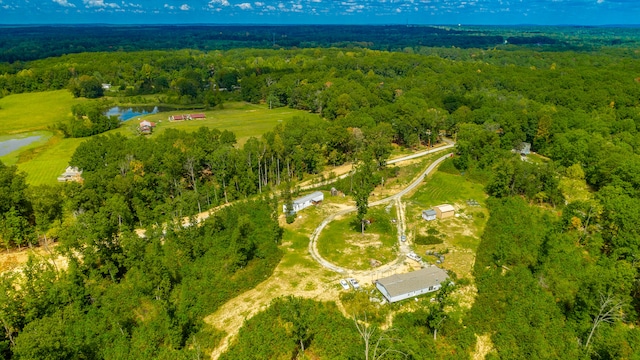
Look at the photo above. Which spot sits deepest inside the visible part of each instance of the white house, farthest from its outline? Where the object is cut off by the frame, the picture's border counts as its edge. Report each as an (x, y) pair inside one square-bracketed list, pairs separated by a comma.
[(429, 214), (71, 174), (404, 286), (305, 201)]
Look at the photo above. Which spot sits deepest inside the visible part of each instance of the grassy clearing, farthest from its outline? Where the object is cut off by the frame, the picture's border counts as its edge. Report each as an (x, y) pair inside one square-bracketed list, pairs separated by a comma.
[(34, 111), (343, 244), (461, 234), (243, 119), (447, 188), (44, 161), (49, 161), (575, 190)]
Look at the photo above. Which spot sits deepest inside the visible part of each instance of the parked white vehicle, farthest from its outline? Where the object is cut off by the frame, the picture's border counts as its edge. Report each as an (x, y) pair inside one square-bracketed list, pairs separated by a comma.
[(354, 283), (414, 256), (344, 283)]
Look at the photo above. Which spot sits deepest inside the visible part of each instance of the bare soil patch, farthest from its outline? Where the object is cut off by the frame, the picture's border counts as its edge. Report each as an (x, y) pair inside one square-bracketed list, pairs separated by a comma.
[(12, 260), (484, 346), (363, 241), (298, 281)]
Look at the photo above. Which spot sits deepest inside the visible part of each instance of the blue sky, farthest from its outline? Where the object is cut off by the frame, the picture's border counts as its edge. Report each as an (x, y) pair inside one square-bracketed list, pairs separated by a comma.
[(542, 12)]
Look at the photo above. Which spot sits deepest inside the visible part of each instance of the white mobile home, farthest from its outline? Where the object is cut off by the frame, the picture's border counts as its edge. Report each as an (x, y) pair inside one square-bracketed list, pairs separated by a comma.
[(305, 201), (404, 286)]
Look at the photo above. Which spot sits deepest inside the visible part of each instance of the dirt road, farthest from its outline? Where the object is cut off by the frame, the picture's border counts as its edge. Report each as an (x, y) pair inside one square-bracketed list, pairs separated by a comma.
[(404, 249)]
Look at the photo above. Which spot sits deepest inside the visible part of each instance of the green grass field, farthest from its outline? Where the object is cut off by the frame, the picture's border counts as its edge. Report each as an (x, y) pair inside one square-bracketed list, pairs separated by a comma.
[(342, 244), (34, 111), (243, 119), (44, 160), (50, 162), (447, 188), (461, 234)]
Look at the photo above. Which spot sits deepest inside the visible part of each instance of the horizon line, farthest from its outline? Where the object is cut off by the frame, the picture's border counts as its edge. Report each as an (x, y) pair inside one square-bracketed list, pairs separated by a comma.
[(320, 24)]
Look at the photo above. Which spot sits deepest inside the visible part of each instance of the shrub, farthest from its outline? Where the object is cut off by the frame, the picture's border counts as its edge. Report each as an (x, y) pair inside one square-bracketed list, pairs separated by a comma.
[(427, 240)]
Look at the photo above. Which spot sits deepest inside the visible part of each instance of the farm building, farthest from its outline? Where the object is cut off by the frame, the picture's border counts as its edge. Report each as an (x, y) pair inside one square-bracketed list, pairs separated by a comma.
[(177, 117), (146, 127), (403, 286), (71, 174), (444, 211), (429, 214), (305, 201), (187, 117)]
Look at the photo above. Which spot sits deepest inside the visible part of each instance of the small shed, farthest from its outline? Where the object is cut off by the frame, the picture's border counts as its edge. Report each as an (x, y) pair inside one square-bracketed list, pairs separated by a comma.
[(524, 148), (444, 211), (429, 214), (403, 286), (197, 116), (298, 204)]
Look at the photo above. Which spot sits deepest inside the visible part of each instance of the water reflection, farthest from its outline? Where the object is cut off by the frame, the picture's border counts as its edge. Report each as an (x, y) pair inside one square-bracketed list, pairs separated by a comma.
[(129, 112), (12, 145)]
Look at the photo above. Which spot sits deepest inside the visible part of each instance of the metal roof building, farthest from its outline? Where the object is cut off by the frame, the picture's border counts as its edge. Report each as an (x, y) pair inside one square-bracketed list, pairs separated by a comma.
[(429, 214), (403, 286), (305, 201)]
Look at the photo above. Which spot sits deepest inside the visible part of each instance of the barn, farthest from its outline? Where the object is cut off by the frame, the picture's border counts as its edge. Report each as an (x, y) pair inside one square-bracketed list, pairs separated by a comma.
[(305, 201), (404, 286), (444, 211)]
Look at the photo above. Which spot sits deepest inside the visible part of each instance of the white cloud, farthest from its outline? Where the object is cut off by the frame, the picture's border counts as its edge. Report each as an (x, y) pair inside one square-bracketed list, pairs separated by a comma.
[(185, 7), (167, 6), (244, 6), (99, 4), (214, 3), (64, 3), (600, 1), (258, 3)]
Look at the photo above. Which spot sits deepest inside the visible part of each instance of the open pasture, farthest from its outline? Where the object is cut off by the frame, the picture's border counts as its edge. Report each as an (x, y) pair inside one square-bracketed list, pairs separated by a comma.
[(243, 119), (44, 163), (50, 161), (460, 234), (34, 111), (442, 188)]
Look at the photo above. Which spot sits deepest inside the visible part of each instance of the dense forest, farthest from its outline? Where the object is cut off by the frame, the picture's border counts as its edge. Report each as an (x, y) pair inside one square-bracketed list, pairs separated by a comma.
[(557, 277), (19, 43)]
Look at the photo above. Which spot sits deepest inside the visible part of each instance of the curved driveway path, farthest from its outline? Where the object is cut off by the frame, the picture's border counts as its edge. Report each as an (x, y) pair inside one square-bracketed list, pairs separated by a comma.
[(450, 145), (404, 249)]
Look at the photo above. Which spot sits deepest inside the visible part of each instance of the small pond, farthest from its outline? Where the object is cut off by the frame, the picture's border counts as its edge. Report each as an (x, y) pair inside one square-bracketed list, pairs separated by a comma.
[(125, 113), (11, 145)]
